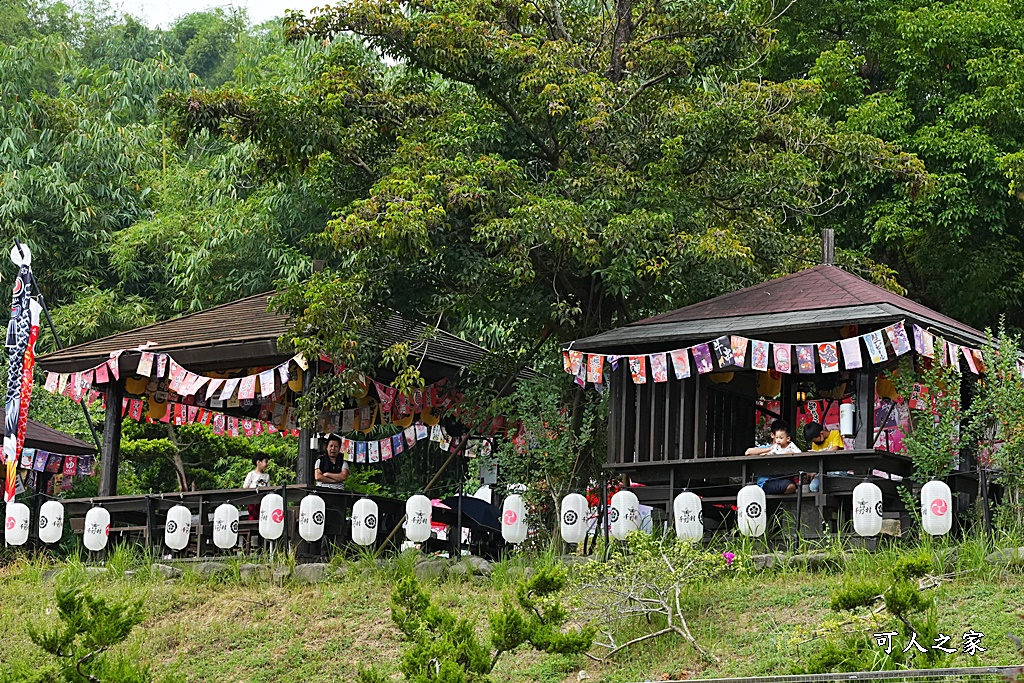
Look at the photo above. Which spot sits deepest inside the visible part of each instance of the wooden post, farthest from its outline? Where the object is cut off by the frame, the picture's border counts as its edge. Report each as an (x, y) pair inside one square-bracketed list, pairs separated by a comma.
[(828, 246), (110, 457), (304, 467), (865, 411)]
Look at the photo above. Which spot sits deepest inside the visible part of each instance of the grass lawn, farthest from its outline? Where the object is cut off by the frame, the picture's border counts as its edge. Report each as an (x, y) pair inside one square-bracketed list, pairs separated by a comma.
[(220, 629)]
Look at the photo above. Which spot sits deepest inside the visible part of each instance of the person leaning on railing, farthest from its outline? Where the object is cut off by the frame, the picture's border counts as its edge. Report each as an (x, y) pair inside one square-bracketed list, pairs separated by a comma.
[(331, 471), (821, 439)]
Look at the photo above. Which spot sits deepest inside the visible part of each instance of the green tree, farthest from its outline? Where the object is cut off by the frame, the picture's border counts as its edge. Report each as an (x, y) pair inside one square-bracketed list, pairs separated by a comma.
[(527, 174), (940, 80), (89, 627)]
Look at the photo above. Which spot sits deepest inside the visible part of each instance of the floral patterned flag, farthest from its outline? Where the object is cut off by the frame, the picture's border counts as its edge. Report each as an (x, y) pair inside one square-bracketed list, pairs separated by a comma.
[(638, 369), (398, 443), (387, 396), (783, 358), (759, 352), (595, 368), (566, 363), (385, 449), (739, 350), (828, 355), (681, 363), (702, 358), (659, 369), (876, 346), (919, 339), (805, 358), (267, 386), (897, 334), (373, 451)]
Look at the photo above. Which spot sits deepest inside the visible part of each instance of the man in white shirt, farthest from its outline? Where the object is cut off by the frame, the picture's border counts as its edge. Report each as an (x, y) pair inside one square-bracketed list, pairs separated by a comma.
[(331, 471)]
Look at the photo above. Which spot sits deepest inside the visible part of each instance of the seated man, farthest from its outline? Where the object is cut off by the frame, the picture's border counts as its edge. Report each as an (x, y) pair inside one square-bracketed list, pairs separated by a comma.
[(782, 443), (821, 439)]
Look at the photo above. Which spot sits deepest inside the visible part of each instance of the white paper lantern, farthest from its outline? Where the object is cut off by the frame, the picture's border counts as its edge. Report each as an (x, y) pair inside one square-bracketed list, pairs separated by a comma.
[(272, 516), (97, 529), (752, 517), (17, 521), (867, 509), (624, 514), (574, 518), (364, 522), (689, 516), (225, 526), (513, 519), (178, 527), (312, 512), (51, 521), (418, 513), (936, 508)]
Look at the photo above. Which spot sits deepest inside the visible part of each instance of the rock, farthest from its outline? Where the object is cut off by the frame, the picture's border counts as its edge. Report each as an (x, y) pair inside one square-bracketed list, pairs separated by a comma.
[(572, 560), (314, 572), (429, 569), (249, 572), (890, 527), (341, 571), (768, 561), (459, 569), (281, 573), (50, 574), (479, 565), (167, 571), (1006, 556), (95, 571), (211, 568), (815, 561), (130, 573)]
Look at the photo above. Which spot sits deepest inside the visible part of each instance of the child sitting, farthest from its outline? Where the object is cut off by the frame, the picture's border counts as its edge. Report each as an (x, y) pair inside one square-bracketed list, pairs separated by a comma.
[(782, 444)]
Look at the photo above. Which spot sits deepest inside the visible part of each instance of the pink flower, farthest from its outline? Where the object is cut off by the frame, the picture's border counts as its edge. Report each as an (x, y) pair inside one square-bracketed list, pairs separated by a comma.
[(729, 557)]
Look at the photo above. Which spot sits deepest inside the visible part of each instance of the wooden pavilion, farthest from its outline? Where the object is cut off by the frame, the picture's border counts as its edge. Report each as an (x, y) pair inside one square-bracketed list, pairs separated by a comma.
[(692, 433), (241, 334), (235, 337)]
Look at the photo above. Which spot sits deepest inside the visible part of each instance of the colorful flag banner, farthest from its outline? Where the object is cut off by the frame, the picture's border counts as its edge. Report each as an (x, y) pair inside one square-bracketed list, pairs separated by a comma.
[(828, 355), (638, 369), (783, 358), (739, 350), (595, 368), (146, 364), (759, 351), (875, 343), (659, 370), (722, 349), (702, 359), (681, 363), (897, 334), (852, 359), (805, 358)]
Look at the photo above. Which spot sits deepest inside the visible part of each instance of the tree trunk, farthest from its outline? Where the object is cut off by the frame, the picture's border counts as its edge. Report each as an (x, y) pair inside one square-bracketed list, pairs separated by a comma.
[(623, 34), (179, 464)]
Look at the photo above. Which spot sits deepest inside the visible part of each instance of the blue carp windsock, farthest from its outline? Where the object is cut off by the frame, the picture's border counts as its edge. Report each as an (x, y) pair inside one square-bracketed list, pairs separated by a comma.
[(21, 339)]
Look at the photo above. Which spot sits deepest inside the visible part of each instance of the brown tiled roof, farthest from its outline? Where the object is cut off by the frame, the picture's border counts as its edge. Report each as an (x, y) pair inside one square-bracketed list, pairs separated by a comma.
[(816, 298), (816, 288), (244, 333), (46, 438)]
